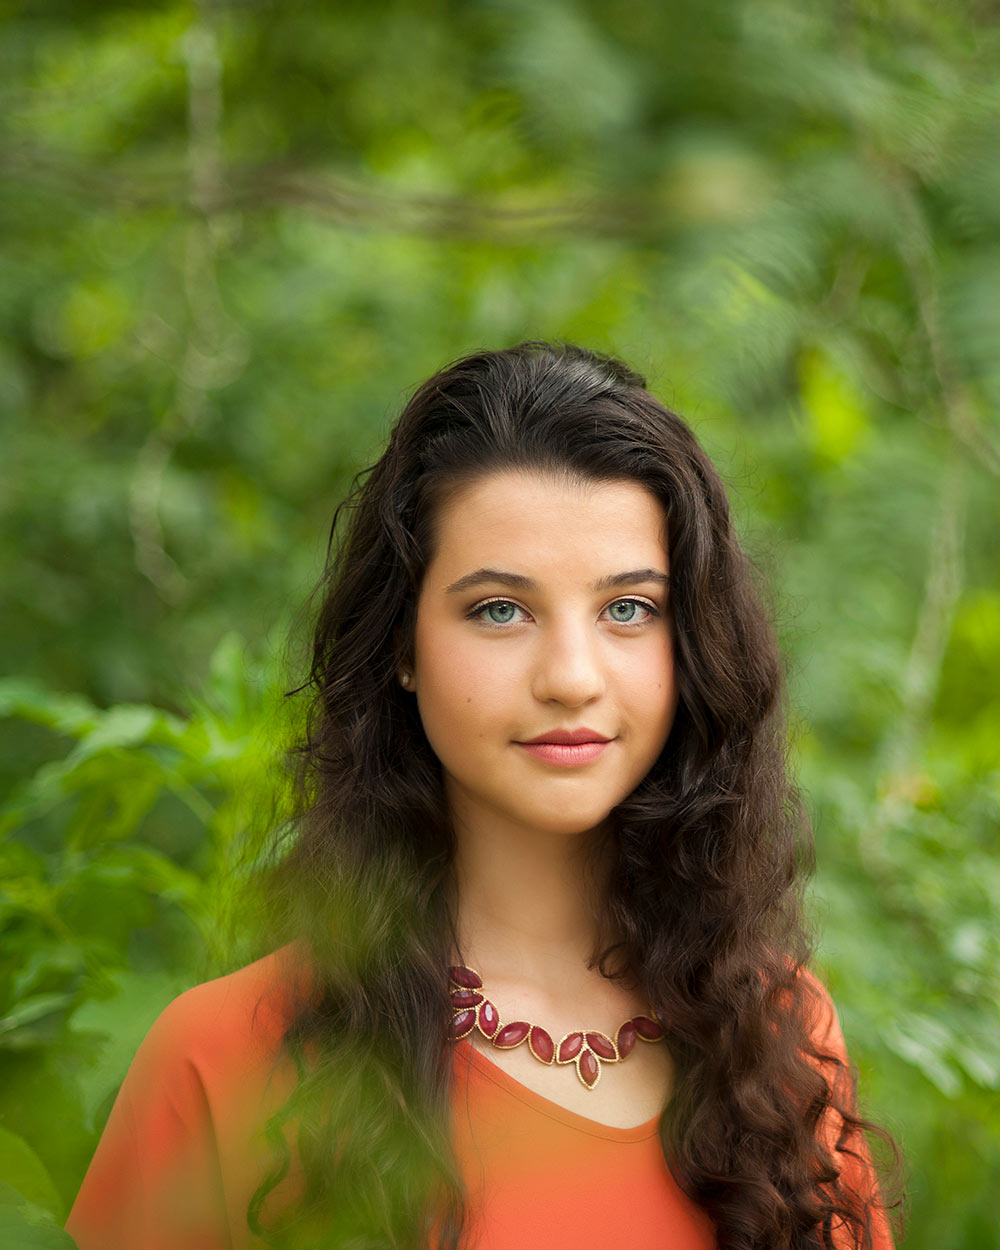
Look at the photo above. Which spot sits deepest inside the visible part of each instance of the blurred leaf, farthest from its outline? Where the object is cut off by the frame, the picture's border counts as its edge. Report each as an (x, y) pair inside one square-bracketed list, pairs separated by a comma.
[(22, 1170), (24, 1025), (26, 1226), (69, 714)]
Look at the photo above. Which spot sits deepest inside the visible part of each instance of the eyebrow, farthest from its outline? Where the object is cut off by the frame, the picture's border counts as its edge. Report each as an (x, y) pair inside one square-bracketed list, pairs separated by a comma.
[(517, 581)]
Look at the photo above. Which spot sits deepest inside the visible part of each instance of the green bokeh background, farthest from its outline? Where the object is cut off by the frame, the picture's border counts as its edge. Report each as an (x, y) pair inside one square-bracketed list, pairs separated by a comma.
[(234, 236)]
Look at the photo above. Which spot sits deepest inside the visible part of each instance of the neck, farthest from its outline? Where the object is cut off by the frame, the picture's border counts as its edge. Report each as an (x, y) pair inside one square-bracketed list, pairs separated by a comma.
[(529, 903)]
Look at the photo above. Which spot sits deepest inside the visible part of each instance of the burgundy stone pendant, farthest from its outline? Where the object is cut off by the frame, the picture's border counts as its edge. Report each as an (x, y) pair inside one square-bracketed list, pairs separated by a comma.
[(588, 1068), (466, 978), (511, 1035), (462, 1024), (541, 1045), (648, 1030), (625, 1040), (489, 1019), (466, 998), (586, 1050), (602, 1045), (570, 1047)]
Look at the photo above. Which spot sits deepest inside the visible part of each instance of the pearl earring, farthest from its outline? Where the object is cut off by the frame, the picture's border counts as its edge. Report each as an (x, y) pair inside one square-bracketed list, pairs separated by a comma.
[(404, 680)]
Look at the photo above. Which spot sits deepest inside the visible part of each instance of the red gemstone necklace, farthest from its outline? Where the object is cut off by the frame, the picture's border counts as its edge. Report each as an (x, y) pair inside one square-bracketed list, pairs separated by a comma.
[(586, 1048)]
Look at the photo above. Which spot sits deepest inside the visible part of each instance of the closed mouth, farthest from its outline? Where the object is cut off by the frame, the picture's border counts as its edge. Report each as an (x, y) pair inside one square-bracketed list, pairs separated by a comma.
[(565, 738), (583, 749)]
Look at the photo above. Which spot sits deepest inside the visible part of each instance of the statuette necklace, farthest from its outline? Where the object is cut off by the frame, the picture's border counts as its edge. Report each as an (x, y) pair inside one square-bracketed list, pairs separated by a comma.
[(587, 1049)]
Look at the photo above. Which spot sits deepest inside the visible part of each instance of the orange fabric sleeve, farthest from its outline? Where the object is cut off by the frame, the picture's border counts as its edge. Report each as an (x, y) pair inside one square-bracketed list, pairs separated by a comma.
[(154, 1181), (184, 1150), (850, 1150)]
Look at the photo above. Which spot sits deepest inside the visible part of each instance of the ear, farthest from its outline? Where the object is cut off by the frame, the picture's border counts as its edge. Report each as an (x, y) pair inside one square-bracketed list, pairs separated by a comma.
[(403, 654)]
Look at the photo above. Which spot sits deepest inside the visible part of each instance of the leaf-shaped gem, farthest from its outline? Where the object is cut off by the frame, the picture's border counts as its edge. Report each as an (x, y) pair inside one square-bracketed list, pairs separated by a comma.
[(648, 1030), (512, 1034), (626, 1038), (489, 1019), (588, 1068), (466, 998), (602, 1045), (462, 1024), (569, 1048), (465, 977), (541, 1045)]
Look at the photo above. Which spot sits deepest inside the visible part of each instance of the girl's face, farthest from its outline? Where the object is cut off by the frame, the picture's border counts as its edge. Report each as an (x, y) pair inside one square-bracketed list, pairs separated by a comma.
[(543, 663)]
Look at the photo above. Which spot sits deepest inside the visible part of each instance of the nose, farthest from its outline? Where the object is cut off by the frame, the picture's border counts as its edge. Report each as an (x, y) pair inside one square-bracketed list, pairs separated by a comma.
[(568, 667)]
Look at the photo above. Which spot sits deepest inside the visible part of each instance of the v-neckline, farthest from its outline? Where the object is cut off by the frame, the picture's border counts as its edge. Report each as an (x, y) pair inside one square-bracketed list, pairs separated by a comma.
[(554, 1110)]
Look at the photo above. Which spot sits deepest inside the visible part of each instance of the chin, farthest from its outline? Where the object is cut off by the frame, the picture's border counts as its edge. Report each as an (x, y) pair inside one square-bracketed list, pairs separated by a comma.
[(569, 824)]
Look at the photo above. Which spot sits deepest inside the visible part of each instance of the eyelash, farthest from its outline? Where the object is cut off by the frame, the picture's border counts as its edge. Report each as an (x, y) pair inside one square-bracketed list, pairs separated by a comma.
[(477, 612)]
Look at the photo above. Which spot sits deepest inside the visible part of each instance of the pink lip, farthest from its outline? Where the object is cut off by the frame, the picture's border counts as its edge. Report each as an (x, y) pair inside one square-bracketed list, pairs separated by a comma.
[(566, 747), (567, 737)]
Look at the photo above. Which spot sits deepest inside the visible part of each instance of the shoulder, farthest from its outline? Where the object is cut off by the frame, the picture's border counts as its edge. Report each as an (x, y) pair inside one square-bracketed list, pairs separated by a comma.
[(821, 1019), (228, 1025), (186, 1143)]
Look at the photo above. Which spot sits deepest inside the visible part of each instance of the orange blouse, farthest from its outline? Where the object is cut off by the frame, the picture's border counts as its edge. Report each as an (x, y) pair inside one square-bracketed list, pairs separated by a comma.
[(184, 1151)]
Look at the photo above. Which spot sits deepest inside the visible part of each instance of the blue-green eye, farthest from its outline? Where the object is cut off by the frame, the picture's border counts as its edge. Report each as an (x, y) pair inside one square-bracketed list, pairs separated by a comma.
[(496, 612), (500, 613), (629, 611)]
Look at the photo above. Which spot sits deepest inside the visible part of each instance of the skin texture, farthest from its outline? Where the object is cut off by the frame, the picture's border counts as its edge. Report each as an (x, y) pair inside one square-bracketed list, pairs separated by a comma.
[(555, 657)]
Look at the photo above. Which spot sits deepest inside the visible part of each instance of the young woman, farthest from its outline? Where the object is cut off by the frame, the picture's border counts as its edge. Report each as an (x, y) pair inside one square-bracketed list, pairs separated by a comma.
[(545, 981)]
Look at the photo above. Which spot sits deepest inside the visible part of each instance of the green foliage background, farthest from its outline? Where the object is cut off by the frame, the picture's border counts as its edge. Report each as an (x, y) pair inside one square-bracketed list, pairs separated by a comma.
[(233, 236)]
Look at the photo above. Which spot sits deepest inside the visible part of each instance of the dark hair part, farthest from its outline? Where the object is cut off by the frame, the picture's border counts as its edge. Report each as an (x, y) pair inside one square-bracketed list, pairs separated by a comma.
[(712, 845)]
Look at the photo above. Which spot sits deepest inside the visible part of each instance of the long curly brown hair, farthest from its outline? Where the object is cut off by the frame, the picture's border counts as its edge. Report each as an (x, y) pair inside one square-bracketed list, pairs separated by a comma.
[(712, 846)]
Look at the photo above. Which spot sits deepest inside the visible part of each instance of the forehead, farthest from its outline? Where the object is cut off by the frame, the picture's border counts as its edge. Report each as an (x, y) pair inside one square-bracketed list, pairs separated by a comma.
[(546, 521)]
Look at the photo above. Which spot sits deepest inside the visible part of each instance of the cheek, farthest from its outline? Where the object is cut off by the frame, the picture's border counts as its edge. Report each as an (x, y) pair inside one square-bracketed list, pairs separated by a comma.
[(653, 692), (650, 669), (454, 688)]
